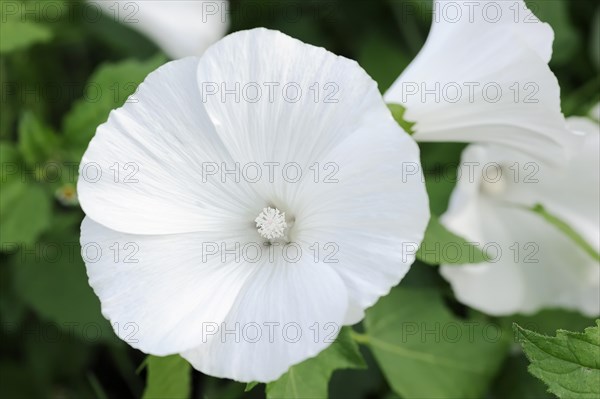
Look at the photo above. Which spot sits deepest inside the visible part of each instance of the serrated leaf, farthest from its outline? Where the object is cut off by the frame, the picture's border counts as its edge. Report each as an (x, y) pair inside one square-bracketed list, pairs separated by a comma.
[(568, 363), (310, 379), (108, 88), (515, 381), (37, 142), (168, 377), (547, 321), (398, 111), (17, 33), (426, 352), (566, 229), (442, 246)]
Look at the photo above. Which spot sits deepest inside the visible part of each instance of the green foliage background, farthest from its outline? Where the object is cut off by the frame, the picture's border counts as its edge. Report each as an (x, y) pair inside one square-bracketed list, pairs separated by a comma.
[(59, 79)]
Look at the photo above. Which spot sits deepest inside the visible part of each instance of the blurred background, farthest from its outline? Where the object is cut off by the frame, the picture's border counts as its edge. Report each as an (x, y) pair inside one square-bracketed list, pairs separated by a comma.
[(60, 76)]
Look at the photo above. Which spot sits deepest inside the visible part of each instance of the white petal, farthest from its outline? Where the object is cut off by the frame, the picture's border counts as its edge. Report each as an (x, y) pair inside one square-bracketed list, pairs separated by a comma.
[(180, 28), (374, 217), (318, 99), (571, 191), (574, 193), (539, 267), (372, 210), (491, 81), (536, 266), (355, 312), (142, 172), (286, 313), (160, 291)]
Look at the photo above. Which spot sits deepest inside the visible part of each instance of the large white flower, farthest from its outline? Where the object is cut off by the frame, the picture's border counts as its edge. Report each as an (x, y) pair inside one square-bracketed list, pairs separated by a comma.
[(255, 97), (483, 76), (180, 28), (534, 265)]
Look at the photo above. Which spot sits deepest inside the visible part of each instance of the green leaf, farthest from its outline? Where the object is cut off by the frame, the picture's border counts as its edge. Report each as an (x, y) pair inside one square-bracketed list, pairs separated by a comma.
[(168, 377), (440, 162), (426, 352), (9, 106), (24, 213), (250, 386), (25, 208), (50, 277), (310, 379), (120, 38), (37, 142), (439, 189), (16, 33), (568, 363), (398, 114), (548, 321), (16, 380), (8, 154), (515, 382), (96, 386), (567, 230), (442, 246), (108, 88)]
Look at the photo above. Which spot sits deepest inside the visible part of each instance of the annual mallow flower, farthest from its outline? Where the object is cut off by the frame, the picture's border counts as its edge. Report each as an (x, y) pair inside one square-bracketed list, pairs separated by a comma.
[(533, 264), (180, 28), (247, 205), (483, 76)]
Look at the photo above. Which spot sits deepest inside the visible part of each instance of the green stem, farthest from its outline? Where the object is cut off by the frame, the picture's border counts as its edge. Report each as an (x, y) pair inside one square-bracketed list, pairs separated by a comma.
[(359, 338)]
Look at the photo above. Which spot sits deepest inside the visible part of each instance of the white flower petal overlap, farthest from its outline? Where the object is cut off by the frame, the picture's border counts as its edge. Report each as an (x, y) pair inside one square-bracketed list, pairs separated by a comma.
[(538, 266)]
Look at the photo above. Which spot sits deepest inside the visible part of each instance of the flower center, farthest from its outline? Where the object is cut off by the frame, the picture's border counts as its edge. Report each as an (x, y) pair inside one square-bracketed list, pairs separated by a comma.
[(270, 223), (494, 181)]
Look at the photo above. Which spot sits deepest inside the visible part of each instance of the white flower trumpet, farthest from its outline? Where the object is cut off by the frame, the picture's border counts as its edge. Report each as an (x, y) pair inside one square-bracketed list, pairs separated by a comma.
[(483, 77)]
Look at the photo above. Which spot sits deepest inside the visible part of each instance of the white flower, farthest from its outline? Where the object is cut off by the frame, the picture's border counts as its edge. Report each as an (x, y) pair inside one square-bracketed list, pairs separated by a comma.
[(483, 76), (349, 220), (180, 28), (534, 265)]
